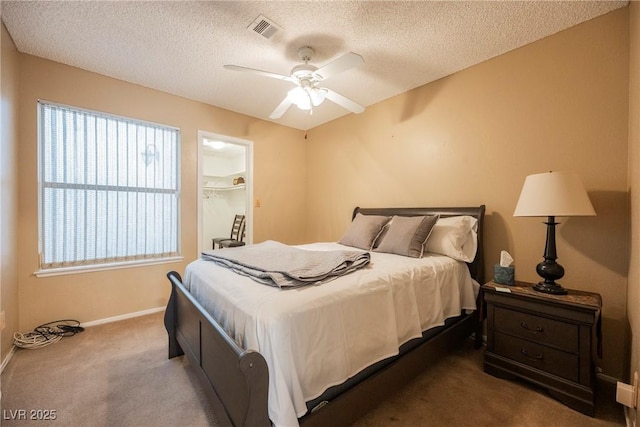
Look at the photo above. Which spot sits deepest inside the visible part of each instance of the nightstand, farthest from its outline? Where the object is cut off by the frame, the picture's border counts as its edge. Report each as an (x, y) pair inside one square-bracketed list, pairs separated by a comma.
[(548, 340)]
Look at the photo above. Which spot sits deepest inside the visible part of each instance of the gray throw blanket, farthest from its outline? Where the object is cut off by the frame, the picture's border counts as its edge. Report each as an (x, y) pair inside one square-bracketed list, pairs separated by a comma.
[(276, 264)]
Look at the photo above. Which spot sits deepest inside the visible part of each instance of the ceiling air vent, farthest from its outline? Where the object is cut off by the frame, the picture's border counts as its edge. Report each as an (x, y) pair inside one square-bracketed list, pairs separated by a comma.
[(264, 26)]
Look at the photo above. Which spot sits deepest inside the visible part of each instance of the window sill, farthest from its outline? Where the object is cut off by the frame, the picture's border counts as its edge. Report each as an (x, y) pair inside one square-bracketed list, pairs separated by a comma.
[(102, 267)]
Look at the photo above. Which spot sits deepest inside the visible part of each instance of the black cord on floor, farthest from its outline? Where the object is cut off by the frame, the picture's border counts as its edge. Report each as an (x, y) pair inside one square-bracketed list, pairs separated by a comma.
[(47, 333)]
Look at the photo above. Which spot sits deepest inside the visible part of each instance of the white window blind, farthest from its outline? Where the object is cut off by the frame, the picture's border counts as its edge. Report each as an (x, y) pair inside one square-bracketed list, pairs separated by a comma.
[(109, 188)]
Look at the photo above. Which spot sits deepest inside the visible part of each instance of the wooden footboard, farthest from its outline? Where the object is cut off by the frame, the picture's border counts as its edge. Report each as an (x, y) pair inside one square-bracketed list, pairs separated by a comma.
[(237, 379)]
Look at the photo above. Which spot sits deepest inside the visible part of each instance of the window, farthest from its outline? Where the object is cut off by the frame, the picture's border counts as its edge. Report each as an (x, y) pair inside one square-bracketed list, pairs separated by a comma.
[(108, 187)]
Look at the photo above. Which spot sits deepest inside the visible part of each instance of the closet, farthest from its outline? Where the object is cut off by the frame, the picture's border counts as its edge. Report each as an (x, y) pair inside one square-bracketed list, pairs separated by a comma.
[(224, 186)]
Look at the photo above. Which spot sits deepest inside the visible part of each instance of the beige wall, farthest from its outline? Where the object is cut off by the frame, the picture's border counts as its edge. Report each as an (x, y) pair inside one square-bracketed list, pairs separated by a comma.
[(633, 293), (557, 104), (279, 157), (8, 189)]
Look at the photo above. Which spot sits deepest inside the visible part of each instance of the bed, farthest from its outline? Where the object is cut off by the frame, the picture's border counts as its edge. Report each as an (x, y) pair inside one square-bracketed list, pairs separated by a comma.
[(217, 327)]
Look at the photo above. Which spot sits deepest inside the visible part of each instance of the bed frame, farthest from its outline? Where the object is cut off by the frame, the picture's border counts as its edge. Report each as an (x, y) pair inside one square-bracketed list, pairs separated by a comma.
[(236, 380)]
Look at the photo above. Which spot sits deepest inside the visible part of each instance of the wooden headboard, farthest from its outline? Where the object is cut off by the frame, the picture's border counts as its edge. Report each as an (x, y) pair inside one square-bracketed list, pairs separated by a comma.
[(476, 267)]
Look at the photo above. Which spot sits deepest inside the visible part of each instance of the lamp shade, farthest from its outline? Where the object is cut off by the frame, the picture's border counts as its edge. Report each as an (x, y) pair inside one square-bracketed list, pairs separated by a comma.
[(553, 194)]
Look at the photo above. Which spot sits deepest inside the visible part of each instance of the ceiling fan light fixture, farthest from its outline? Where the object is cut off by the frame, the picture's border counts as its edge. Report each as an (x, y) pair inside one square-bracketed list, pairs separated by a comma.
[(300, 97), (317, 96), (307, 96)]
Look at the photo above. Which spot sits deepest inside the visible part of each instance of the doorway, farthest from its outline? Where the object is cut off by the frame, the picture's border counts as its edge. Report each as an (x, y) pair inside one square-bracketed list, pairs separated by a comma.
[(225, 171)]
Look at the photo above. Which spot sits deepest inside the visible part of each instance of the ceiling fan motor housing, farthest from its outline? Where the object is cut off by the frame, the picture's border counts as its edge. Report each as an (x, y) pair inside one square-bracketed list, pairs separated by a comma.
[(303, 71), (305, 53)]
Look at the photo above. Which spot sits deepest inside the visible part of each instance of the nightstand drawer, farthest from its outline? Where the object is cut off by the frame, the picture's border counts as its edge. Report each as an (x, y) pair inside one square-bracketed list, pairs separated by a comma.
[(539, 329), (546, 339), (553, 361)]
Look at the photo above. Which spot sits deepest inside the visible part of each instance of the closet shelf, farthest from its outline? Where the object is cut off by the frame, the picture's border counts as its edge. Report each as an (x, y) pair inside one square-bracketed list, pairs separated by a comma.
[(225, 176), (224, 187)]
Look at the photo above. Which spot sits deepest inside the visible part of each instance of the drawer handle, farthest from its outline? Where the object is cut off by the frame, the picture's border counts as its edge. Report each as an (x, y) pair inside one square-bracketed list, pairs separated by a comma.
[(537, 330), (536, 358)]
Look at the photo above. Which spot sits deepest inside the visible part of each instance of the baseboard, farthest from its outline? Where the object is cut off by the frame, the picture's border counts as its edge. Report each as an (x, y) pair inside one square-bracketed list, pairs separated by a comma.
[(122, 317), (6, 360)]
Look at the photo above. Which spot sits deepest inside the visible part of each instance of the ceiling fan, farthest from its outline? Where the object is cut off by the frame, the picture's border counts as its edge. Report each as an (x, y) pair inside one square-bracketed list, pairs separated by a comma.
[(307, 94)]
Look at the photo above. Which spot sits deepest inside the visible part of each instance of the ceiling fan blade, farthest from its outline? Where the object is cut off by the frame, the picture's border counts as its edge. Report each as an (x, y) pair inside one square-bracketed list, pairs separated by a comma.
[(281, 108), (345, 62), (260, 72), (343, 101)]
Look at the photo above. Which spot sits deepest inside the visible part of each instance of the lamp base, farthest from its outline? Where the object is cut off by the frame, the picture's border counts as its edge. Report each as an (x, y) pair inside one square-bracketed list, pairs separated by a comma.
[(550, 288), (549, 269)]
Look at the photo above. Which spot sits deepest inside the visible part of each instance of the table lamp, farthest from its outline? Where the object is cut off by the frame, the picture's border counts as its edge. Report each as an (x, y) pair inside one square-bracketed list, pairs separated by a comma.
[(552, 194)]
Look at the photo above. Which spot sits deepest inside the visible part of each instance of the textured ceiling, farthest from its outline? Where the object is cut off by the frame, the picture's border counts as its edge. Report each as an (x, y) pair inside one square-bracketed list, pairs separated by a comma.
[(180, 47)]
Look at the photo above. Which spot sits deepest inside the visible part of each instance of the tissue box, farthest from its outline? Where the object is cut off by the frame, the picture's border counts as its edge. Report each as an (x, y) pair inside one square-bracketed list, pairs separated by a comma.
[(504, 275)]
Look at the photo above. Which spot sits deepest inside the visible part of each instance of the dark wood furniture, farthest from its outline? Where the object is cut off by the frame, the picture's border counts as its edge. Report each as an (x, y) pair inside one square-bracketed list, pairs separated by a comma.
[(239, 241), (236, 236), (236, 379), (548, 340)]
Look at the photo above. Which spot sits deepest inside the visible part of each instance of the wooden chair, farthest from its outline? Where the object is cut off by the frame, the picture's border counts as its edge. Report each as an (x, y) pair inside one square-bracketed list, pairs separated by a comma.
[(236, 236), (232, 243)]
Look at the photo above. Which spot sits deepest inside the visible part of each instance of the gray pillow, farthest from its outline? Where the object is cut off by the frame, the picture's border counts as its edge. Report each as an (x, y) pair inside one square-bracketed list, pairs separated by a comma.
[(364, 230), (406, 235)]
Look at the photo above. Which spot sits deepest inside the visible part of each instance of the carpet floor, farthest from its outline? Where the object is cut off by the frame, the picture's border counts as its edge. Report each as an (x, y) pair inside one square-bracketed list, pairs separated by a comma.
[(118, 374)]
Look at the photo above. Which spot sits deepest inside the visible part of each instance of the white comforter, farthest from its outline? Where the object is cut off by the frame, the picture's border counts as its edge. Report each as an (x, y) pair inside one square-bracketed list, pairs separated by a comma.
[(318, 336)]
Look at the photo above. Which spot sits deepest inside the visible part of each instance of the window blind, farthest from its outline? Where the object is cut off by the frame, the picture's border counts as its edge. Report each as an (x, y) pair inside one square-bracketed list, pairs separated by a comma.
[(109, 188)]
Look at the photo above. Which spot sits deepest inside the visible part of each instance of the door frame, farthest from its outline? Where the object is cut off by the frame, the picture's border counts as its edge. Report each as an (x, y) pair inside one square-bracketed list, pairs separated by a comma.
[(248, 183)]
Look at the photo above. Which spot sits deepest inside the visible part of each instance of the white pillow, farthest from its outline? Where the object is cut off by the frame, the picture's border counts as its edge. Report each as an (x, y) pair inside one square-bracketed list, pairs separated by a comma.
[(455, 237)]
